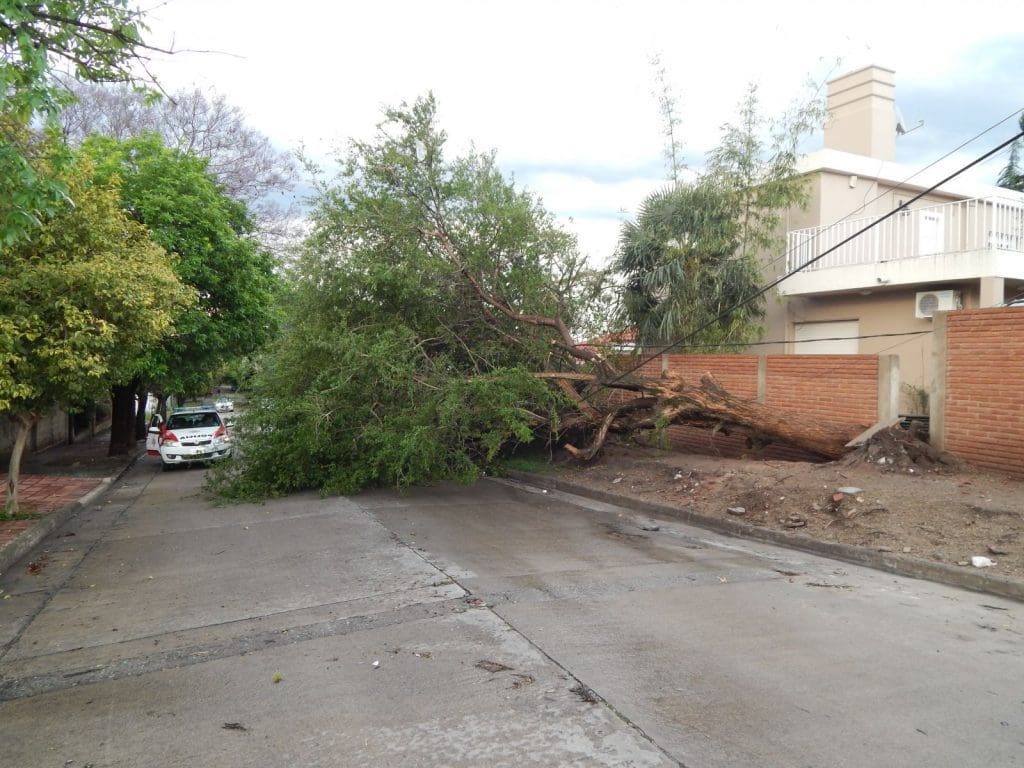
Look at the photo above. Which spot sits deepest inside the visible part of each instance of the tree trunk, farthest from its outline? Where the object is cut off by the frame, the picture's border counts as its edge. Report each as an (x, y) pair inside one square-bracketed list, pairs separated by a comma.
[(23, 425), (140, 413), (122, 419), (161, 405), (710, 402), (672, 400)]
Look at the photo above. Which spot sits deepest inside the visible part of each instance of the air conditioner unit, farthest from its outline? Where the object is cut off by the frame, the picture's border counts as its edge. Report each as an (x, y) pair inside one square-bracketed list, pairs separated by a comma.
[(929, 302)]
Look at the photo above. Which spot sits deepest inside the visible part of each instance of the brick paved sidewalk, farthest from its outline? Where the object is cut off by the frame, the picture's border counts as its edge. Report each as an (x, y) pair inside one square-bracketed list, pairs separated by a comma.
[(51, 482), (41, 495)]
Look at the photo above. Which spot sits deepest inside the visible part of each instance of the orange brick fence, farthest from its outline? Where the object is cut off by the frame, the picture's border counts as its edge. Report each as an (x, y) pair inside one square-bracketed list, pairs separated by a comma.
[(845, 389), (977, 407)]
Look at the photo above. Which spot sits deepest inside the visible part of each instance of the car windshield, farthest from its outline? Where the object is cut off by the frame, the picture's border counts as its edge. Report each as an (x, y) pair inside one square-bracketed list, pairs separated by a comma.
[(192, 420)]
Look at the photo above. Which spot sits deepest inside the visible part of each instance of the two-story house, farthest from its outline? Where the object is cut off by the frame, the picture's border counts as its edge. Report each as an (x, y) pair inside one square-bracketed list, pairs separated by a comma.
[(961, 246)]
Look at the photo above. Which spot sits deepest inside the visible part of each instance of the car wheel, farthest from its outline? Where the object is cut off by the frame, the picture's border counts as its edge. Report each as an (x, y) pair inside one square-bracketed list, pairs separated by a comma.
[(166, 466)]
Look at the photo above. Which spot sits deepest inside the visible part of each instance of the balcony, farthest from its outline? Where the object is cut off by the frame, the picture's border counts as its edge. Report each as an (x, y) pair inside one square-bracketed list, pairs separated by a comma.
[(963, 240)]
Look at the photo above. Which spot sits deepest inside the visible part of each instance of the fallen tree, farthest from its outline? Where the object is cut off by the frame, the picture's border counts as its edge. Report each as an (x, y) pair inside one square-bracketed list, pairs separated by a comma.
[(657, 402), (674, 400), (429, 325)]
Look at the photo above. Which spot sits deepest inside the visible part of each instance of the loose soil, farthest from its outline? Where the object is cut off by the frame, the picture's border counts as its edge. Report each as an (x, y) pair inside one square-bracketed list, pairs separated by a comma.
[(929, 510)]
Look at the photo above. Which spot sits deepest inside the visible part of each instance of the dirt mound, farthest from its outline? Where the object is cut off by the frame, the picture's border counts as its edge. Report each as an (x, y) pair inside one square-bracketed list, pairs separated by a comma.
[(895, 449)]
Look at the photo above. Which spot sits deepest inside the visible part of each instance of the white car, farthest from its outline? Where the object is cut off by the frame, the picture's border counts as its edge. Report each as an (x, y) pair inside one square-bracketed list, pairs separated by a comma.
[(190, 435), (225, 406)]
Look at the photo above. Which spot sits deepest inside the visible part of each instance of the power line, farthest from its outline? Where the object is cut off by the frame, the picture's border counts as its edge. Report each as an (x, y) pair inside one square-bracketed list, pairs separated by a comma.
[(779, 341), (764, 289), (899, 186)]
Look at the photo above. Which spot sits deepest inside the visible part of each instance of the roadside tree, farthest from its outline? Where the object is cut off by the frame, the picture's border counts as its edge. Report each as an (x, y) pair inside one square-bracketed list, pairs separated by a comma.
[(240, 158), (175, 197), (409, 334), (428, 328), (689, 262), (1012, 176), (98, 41), (80, 300)]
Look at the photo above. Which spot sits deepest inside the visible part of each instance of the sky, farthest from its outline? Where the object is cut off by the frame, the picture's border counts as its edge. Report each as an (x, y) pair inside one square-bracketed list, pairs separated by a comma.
[(565, 90)]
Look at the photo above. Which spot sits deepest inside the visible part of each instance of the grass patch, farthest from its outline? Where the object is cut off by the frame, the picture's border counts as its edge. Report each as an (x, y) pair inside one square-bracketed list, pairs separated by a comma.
[(535, 463), (24, 513)]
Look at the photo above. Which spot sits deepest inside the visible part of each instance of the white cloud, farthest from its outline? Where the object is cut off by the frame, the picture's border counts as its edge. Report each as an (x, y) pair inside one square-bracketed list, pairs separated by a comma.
[(581, 196), (597, 238), (563, 88)]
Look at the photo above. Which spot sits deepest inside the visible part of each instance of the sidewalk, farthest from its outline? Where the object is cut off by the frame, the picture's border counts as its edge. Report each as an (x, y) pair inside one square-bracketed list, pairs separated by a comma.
[(890, 562), (53, 485)]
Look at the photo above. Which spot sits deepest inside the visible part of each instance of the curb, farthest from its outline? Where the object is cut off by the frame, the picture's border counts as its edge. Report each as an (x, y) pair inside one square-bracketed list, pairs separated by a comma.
[(30, 537), (889, 562)]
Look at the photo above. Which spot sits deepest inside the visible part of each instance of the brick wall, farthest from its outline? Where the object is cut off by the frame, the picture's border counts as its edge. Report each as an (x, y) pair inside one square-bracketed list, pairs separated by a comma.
[(737, 373), (835, 388), (981, 415)]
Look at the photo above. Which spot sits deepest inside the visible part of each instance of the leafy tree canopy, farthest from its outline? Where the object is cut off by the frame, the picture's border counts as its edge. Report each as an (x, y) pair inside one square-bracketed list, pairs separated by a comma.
[(98, 40), (692, 252), (174, 196), (408, 338), (681, 268), (87, 293)]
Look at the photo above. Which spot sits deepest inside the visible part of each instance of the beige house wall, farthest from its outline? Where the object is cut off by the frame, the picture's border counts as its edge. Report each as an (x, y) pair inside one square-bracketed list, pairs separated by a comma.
[(853, 178), (837, 196), (880, 312)]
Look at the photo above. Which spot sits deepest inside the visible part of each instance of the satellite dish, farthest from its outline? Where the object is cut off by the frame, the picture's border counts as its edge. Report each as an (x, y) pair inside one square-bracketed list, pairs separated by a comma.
[(901, 123)]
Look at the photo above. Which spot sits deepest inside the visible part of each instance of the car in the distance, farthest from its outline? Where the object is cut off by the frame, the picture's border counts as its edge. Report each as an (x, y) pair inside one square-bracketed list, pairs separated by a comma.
[(225, 406), (190, 435)]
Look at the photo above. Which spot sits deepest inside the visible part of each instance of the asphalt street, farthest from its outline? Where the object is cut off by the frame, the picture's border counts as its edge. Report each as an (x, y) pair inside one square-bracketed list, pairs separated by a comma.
[(494, 625)]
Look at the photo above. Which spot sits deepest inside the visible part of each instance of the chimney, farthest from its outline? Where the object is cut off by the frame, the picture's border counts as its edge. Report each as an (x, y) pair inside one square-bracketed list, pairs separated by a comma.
[(862, 113)]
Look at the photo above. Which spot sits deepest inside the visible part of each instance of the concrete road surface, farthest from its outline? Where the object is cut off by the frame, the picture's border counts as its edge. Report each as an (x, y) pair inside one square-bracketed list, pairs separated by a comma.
[(485, 626)]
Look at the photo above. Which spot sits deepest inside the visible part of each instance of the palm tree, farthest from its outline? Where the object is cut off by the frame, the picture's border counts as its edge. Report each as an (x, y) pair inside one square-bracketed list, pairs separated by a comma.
[(1012, 176), (683, 268)]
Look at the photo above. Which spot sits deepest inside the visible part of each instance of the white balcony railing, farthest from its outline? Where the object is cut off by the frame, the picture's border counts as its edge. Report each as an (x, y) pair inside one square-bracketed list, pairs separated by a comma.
[(966, 225)]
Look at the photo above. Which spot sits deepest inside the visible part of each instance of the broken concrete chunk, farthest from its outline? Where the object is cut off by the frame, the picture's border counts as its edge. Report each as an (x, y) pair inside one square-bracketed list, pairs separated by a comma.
[(978, 561), (737, 511)]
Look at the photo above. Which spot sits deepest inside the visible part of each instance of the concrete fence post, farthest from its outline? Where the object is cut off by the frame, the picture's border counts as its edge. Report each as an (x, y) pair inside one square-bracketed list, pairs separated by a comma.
[(937, 395), (888, 387)]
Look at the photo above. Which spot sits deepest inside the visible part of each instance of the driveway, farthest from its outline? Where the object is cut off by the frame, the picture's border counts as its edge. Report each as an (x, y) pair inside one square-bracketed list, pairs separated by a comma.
[(483, 626)]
